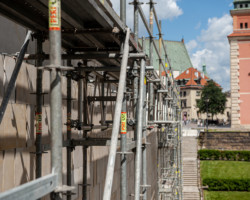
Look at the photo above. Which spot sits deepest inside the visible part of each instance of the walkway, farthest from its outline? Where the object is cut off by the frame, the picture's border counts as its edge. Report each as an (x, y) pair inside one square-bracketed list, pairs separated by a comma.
[(190, 171)]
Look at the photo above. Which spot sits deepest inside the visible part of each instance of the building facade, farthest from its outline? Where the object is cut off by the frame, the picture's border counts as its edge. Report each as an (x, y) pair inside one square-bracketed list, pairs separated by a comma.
[(191, 83), (240, 64)]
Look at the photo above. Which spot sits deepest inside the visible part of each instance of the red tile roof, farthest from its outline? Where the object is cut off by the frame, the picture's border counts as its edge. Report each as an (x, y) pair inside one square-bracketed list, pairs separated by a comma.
[(193, 74)]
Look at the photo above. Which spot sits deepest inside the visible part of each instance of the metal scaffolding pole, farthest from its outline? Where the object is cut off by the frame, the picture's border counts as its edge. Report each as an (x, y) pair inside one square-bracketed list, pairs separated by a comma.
[(116, 123), (123, 121), (55, 90), (85, 148), (124, 149), (135, 69), (139, 132), (39, 103), (151, 85), (69, 148), (144, 135)]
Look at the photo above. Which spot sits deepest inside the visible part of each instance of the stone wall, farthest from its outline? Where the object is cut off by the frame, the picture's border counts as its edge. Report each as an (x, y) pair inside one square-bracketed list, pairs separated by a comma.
[(225, 140), (17, 139)]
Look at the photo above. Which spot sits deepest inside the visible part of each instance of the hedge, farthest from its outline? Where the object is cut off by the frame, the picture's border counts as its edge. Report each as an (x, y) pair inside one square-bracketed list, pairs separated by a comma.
[(224, 155), (215, 184)]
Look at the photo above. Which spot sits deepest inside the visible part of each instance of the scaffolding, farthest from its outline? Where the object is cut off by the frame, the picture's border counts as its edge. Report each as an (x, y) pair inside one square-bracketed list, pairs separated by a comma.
[(142, 98)]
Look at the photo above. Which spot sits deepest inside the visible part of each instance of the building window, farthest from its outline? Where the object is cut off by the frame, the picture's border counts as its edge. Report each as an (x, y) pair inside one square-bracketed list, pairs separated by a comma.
[(246, 5), (246, 25), (184, 93), (241, 6), (241, 25), (198, 93), (181, 94), (183, 103)]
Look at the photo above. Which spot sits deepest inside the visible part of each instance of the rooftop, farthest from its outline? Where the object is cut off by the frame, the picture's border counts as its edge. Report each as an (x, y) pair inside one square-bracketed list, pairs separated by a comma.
[(177, 54), (192, 77)]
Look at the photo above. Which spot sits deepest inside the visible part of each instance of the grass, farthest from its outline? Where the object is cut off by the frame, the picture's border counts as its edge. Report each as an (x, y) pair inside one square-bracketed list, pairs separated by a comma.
[(225, 169), (226, 195)]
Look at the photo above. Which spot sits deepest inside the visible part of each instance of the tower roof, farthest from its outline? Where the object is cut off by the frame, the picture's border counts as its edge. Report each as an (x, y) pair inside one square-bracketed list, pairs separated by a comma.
[(241, 4)]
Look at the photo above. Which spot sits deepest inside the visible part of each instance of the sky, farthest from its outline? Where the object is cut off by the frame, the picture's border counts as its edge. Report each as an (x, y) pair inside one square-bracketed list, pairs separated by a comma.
[(204, 26)]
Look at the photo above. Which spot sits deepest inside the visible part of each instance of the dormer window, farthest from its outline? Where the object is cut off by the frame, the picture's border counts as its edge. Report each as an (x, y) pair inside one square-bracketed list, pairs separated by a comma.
[(241, 25)]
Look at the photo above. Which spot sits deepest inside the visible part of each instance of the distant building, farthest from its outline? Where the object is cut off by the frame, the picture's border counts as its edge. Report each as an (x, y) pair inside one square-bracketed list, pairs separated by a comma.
[(191, 83), (240, 61), (177, 54)]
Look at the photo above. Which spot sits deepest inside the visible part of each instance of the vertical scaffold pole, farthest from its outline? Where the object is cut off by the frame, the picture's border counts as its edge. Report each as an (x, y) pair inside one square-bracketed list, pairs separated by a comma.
[(135, 68), (123, 149), (123, 120), (116, 122), (69, 148), (144, 135), (85, 148), (139, 132), (151, 86), (123, 11), (39, 103), (55, 89)]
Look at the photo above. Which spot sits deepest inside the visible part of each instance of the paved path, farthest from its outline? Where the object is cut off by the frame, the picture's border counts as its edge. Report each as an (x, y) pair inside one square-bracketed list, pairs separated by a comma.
[(190, 171)]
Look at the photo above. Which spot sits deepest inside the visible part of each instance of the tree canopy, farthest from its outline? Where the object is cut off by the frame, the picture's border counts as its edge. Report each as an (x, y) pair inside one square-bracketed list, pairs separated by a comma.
[(212, 99)]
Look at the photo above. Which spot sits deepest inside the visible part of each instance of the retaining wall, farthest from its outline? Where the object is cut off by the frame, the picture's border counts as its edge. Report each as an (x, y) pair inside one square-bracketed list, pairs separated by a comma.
[(235, 140)]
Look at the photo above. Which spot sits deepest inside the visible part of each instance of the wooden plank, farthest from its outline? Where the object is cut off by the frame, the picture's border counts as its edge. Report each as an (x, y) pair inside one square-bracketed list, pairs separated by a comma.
[(22, 92), (1, 77), (9, 130), (22, 167), (19, 113), (9, 64), (8, 168), (1, 171)]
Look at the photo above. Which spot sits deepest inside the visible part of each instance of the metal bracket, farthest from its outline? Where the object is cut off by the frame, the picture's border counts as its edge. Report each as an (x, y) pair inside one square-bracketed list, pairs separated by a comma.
[(125, 153)]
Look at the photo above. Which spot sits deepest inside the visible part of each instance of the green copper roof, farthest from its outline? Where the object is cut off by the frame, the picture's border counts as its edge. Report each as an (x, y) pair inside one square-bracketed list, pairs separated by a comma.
[(177, 54)]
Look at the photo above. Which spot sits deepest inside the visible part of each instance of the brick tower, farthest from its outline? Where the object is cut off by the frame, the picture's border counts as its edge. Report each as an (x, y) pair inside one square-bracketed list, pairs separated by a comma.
[(240, 64)]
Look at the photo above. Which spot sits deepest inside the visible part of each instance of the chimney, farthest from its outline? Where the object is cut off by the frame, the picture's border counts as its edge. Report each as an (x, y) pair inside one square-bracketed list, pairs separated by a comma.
[(182, 40)]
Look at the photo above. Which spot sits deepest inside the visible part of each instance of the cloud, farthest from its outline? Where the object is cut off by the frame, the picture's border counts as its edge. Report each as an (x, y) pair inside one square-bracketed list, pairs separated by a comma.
[(192, 44), (211, 47), (166, 9)]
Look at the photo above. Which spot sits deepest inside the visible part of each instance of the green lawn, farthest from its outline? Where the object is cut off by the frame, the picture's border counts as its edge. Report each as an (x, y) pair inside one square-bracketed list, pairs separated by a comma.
[(225, 169), (226, 195)]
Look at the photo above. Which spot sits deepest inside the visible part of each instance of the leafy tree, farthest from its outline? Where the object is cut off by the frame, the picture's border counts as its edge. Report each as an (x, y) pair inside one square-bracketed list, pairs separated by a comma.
[(212, 99)]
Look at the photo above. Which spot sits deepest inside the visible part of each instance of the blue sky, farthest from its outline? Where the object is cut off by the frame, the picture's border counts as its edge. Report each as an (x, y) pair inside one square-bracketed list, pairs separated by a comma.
[(204, 25), (194, 18)]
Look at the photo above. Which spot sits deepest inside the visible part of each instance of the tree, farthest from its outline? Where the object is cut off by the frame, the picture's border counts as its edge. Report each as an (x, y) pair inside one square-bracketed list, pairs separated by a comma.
[(213, 100)]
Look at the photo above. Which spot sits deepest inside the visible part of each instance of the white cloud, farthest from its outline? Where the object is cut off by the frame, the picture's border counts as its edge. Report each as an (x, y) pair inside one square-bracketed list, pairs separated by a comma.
[(166, 9), (212, 48), (192, 44)]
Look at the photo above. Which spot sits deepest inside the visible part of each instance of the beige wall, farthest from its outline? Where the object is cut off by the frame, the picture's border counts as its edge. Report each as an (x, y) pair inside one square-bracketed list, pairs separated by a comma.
[(191, 109), (17, 139)]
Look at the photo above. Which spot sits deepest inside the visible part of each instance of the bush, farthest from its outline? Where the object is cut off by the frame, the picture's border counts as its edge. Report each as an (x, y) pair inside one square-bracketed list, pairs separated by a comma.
[(224, 155), (215, 184)]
